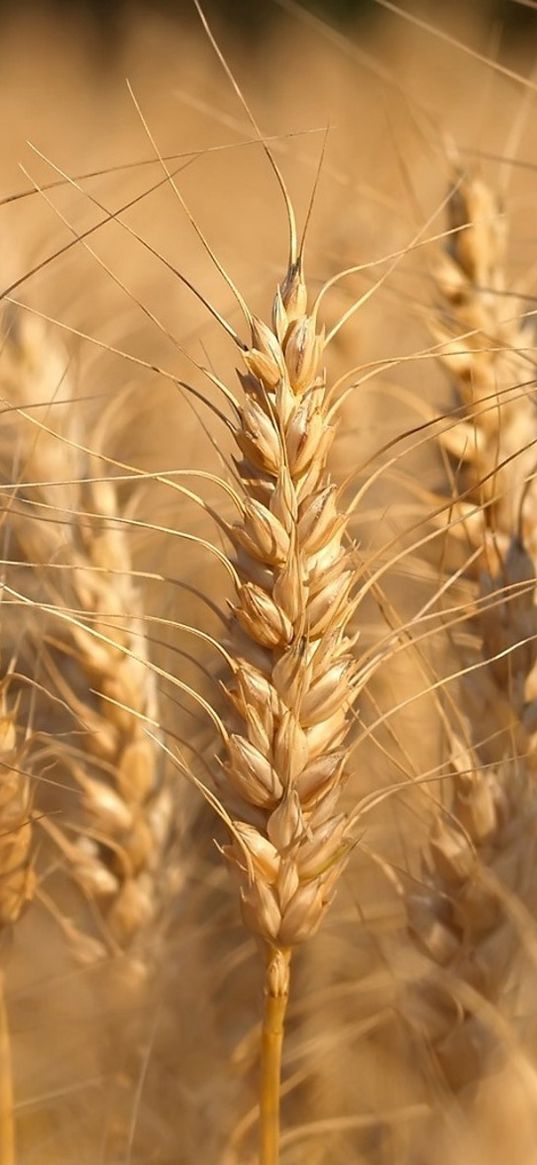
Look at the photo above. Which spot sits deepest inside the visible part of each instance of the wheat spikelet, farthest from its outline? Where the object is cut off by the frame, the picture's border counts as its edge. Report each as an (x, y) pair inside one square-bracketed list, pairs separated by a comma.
[(124, 826)]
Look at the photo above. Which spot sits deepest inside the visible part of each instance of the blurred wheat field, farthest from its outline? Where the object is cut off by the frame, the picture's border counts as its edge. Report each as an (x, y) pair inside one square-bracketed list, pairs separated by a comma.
[(132, 990)]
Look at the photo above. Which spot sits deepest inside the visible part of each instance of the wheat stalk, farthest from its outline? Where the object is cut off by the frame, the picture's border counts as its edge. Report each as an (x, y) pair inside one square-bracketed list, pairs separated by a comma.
[(17, 880), (17, 874), (17, 883)]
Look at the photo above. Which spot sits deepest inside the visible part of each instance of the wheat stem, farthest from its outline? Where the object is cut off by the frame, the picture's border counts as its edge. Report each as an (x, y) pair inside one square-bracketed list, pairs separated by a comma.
[(276, 997), (7, 1127)]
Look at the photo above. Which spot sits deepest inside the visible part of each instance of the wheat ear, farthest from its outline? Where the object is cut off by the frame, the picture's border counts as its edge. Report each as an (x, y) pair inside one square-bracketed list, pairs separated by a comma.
[(294, 677), (133, 811), (486, 349), (126, 820), (483, 850), (497, 445)]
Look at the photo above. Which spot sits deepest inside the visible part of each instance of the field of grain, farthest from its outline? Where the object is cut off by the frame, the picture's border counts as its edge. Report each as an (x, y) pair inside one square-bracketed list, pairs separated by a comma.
[(268, 695)]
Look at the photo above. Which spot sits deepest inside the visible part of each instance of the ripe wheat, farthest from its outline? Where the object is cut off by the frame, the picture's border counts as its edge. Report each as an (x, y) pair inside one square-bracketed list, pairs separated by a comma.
[(124, 823), (482, 848)]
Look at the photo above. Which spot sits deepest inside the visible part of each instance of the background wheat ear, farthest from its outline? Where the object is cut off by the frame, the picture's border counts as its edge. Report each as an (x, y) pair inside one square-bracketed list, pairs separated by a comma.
[(18, 833), (106, 823), (481, 856)]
